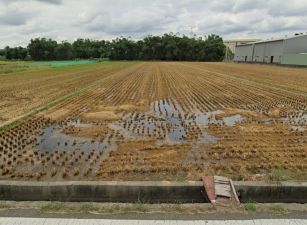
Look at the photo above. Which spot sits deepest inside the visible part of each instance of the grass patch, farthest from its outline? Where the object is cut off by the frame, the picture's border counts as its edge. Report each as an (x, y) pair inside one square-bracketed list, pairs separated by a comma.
[(62, 207), (62, 63), (53, 207), (113, 209), (250, 207), (4, 206), (13, 67), (135, 207), (278, 174), (278, 209), (140, 207), (181, 177), (178, 208), (85, 208)]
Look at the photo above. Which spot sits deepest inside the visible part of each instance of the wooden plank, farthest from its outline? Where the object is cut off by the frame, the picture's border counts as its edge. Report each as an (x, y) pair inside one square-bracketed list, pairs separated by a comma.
[(223, 190), (221, 178)]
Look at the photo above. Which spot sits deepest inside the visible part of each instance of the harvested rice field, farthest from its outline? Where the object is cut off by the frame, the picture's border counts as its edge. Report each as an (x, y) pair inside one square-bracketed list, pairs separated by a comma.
[(154, 121)]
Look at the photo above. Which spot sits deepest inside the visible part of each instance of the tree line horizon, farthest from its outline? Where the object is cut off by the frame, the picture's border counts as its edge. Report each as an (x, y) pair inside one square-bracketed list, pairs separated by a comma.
[(168, 47)]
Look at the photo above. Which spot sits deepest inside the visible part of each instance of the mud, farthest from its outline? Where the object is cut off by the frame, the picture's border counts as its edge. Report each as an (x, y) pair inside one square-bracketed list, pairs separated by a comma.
[(166, 121)]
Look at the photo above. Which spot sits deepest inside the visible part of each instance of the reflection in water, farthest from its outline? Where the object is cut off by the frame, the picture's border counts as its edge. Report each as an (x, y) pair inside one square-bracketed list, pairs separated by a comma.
[(52, 139), (165, 122)]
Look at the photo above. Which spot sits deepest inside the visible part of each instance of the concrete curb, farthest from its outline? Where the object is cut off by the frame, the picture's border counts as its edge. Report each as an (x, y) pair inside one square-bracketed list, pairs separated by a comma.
[(285, 192), (146, 192)]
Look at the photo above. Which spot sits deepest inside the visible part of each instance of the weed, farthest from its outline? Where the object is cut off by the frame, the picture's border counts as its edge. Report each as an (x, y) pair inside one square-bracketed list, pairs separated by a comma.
[(278, 174), (84, 208), (251, 207), (178, 206), (53, 207), (4, 205), (140, 207), (181, 177), (278, 209)]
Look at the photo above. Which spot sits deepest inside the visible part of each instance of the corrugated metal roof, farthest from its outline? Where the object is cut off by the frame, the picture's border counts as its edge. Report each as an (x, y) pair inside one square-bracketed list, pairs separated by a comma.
[(273, 40)]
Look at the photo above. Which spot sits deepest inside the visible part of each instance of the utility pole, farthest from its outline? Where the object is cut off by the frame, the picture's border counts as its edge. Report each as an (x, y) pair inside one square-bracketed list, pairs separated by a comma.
[(226, 53)]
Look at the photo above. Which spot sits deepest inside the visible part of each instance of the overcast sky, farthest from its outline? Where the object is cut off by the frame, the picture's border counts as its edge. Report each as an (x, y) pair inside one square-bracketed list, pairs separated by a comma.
[(21, 20)]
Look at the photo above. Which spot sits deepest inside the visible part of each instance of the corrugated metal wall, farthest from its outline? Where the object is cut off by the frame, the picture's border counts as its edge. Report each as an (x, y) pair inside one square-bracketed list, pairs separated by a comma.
[(276, 51), (273, 52), (244, 53), (294, 59), (295, 45), (264, 52)]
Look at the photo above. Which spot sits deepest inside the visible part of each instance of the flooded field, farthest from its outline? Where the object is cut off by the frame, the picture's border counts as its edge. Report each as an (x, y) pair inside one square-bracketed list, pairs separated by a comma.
[(167, 121)]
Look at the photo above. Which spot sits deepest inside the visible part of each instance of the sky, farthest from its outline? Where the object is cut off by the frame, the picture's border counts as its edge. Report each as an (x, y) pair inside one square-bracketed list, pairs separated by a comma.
[(21, 20)]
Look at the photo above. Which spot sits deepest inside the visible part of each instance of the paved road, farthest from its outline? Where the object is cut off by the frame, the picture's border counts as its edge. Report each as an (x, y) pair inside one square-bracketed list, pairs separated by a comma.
[(55, 221)]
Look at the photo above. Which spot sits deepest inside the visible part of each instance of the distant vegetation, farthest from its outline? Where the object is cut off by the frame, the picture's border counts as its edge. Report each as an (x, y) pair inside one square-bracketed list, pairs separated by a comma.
[(167, 47)]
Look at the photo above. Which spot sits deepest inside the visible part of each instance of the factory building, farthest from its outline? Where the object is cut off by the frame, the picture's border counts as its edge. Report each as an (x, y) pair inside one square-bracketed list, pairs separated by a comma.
[(232, 43), (288, 51)]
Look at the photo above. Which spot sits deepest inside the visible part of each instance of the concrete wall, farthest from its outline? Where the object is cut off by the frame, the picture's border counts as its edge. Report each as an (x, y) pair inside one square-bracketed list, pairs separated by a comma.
[(294, 59), (296, 45), (283, 192), (146, 192), (244, 53), (91, 191)]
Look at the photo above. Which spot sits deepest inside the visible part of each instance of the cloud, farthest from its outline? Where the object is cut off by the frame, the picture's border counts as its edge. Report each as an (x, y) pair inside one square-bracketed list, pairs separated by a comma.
[(14, 19), (57, 2), (46, 1), (21, 20)]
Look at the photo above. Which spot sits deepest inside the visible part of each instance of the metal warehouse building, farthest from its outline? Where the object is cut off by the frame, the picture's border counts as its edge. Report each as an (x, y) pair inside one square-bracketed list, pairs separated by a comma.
[(288, 51)]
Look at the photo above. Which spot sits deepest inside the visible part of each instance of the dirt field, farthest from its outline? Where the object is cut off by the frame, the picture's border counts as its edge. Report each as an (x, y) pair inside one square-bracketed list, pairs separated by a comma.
[(157, 121), (29, 88)]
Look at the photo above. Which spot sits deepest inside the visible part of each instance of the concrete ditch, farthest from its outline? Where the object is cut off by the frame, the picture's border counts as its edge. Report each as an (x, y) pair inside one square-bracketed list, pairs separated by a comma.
[(146, 192)]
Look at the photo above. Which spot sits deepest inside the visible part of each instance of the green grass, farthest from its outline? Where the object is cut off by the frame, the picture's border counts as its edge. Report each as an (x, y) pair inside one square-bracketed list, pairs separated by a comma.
[(87, 207), (250, 207), (278, 174), (59, 64), (53, 207), (62, 207), (13, 67), (139, 207), (4, 205), (278, 209)]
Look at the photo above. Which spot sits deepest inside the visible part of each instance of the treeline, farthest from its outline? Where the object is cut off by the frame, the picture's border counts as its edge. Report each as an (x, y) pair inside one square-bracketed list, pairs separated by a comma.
[(167, 47)]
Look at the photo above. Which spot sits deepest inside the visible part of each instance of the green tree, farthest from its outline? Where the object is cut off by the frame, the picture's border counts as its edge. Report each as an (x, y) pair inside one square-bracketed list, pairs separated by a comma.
[(83, 48), (172, 47), (42, 49), (15, 53), (64, 51), (123, 49), (214, 48), (229, 55)]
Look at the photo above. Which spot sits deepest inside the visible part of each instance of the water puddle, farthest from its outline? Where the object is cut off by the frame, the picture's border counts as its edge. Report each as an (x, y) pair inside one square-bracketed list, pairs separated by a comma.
[(78, 123), (298, 119), (232, 120), (206, 138), (167, 121), (298, 128), (52, 139)]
